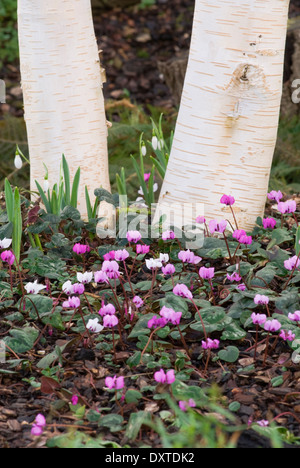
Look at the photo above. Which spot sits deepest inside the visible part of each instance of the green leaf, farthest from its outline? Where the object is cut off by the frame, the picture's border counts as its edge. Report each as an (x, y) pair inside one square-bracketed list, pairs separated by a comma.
[(22, 340), (135, 423), (229, 354), (67, 180), (75, 187), (9, 200), (297, 243), (112, 421), (133, 396), (233, 332)]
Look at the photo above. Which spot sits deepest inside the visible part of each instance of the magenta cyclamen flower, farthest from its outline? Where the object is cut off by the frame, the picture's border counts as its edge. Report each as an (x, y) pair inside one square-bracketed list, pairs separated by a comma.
[(71, 303), (168, 235), (170, 315), (200, 220), (121, 255), (272, 325), (183, 291), (157, 322), (78, 288), (217, 226), (206, 273), (186, 256), (227, 200), (8, 257), (81, 249), (114, 382), (74, 400), (292, 263), (38, 425), (258, 319), (168, 269), (111, 268), (295, 317), (210, 344), (269, 223), (289, 206), (273, 195), (110, 321), (287, 335), (138, 301), (100, 277), (183, 405), (110, 255), (162, 377), (133, 236), (238, 233), (234, 277), (261, 299), (107, 309), (142, 249)]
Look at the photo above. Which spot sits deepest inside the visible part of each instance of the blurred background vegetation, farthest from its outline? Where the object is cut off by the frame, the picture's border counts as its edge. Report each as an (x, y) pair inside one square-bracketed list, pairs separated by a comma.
[(130, 116)]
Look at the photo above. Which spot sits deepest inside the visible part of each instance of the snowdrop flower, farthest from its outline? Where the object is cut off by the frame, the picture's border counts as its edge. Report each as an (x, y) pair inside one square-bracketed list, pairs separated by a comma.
[(258, 319), (273, 195), (210, 344), (111, 268), (100, 277), (85, 278), (110, 321), (142, 249), (153, 263), (168, 235), (143, 150), (157, 322), (217, 226), (154, 142), (71, 303), (295, 317), (18, 161), (183, 291), (162, 377), (292, 263), (5, 243), (261, 299), (206, 273), (287, 335), (115, 382), (133, 236), (121, 255), (227, 200), (164, 258), (46, 185), (108, 309), (269, 223), (289, 206), (183, 405), (94, 325), (34, 288), (170, 315), (138, 302), (168, 270), (8, 257), (272, 325)]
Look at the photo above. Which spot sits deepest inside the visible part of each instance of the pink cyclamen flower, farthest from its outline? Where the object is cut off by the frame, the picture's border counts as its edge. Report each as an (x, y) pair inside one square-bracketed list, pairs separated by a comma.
[(261, 299), (272, 325), (287, 335), (114, 382), (269, 223), (241, 287), (276, 196), (292, 263), (168, 235), (200, 220), (258, 319), (234, 277), (295, 317), (217, 226), (227, 200), (110, 321), (184, 405), (100, 277), (238, 233), (133, 236), (206, 273), (111, 268), (170, 315), (81, 249), (107, 309), (147, 176), (110, 255), (289, 206), (186, 256), (183, 291), (74, 400), (157, 322), (138, 302), (247, 240), (168, 270), (165, 377), (142, 249), (71, 303), (263, 423), (78, 288), (121, 255), (38, 425), (8, 257), (210, 344)]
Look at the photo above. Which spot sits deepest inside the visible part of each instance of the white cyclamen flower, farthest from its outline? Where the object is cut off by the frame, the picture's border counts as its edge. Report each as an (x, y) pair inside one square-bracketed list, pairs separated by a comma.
[(67, 288), (94, 325), (164, 258), (5, 243), (153, 263), (34, 288), (85, 278)]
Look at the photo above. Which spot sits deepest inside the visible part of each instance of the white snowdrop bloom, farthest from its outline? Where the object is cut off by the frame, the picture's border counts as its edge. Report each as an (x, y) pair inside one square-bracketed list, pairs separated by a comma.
[(18, 161), (46, 185), (94, 325), (144, 150), (155, 187), (85, 278), (67, 288), (34, 288), (154, 142), (5, 243)]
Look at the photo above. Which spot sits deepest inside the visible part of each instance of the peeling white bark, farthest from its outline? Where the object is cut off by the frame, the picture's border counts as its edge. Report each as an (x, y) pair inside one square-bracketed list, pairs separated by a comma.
[(227, 125), (62, 87)]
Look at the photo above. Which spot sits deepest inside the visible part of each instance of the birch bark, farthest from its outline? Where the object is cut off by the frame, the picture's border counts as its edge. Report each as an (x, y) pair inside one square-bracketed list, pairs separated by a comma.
[(227, 124), (62, 88)]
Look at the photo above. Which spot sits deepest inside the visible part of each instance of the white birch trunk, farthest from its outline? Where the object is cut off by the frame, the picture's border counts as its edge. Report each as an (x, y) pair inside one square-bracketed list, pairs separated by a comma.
[(228, 118), (62, 87)]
